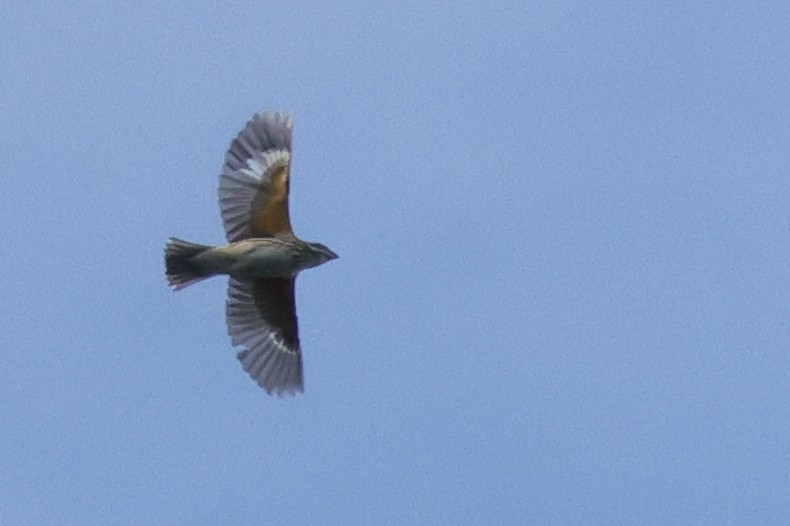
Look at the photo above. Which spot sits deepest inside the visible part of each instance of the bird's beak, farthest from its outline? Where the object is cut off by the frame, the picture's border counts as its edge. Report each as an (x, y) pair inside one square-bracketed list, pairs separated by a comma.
[(332, 255)]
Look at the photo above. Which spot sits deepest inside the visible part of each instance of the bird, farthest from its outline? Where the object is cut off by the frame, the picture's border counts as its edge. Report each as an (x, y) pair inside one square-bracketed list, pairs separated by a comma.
[(263, 255)]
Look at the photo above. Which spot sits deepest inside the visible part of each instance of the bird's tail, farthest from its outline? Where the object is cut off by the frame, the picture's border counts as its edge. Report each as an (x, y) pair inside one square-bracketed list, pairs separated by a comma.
[(180, 268)]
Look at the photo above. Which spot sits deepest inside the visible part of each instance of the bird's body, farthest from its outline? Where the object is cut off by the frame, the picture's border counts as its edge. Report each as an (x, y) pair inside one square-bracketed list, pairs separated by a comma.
[(262, 258), (257, 258)]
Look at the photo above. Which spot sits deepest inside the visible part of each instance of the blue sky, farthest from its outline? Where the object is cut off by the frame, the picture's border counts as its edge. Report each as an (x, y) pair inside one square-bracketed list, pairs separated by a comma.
[(562, 296)]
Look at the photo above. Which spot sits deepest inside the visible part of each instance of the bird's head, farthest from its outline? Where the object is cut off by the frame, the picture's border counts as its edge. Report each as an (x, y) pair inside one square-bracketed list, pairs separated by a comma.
[(319, 254)]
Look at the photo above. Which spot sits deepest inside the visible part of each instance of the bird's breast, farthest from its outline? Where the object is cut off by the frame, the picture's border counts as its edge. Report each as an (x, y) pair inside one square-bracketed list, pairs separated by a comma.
[(263, 258)]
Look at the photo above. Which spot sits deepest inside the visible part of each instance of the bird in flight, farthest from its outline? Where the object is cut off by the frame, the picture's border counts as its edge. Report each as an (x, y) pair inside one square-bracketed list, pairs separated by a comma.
[(262, 257)]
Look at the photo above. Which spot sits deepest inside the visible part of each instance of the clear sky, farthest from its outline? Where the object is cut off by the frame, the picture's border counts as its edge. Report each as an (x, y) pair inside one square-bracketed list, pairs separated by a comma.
[(562, 296)]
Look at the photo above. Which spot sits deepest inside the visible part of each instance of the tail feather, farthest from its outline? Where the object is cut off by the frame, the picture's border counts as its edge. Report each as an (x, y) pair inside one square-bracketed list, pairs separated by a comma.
[(181, 271)]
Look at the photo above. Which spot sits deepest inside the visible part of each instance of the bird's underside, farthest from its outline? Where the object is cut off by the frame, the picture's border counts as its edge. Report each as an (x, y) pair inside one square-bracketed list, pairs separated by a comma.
[(262, 258)]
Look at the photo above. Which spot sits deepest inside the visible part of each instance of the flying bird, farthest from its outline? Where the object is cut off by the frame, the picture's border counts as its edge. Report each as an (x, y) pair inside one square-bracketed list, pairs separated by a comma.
[(262, 257)]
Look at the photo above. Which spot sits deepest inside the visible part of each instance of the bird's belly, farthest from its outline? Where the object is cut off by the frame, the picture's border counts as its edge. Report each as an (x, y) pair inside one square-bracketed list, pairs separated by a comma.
[(246, 259), (261, 263)]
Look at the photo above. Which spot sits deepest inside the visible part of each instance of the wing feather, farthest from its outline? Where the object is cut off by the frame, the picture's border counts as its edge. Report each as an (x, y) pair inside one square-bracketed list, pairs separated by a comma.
[(254, 182), (261, 316)]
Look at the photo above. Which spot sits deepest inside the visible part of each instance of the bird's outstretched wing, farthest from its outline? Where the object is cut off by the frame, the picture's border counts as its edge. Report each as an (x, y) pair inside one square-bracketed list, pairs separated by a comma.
[(261, 316), (253, 185)]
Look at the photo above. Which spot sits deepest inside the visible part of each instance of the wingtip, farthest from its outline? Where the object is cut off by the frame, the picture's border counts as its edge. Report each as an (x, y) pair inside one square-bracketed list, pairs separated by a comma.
[(281, 379), (275, 118)]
